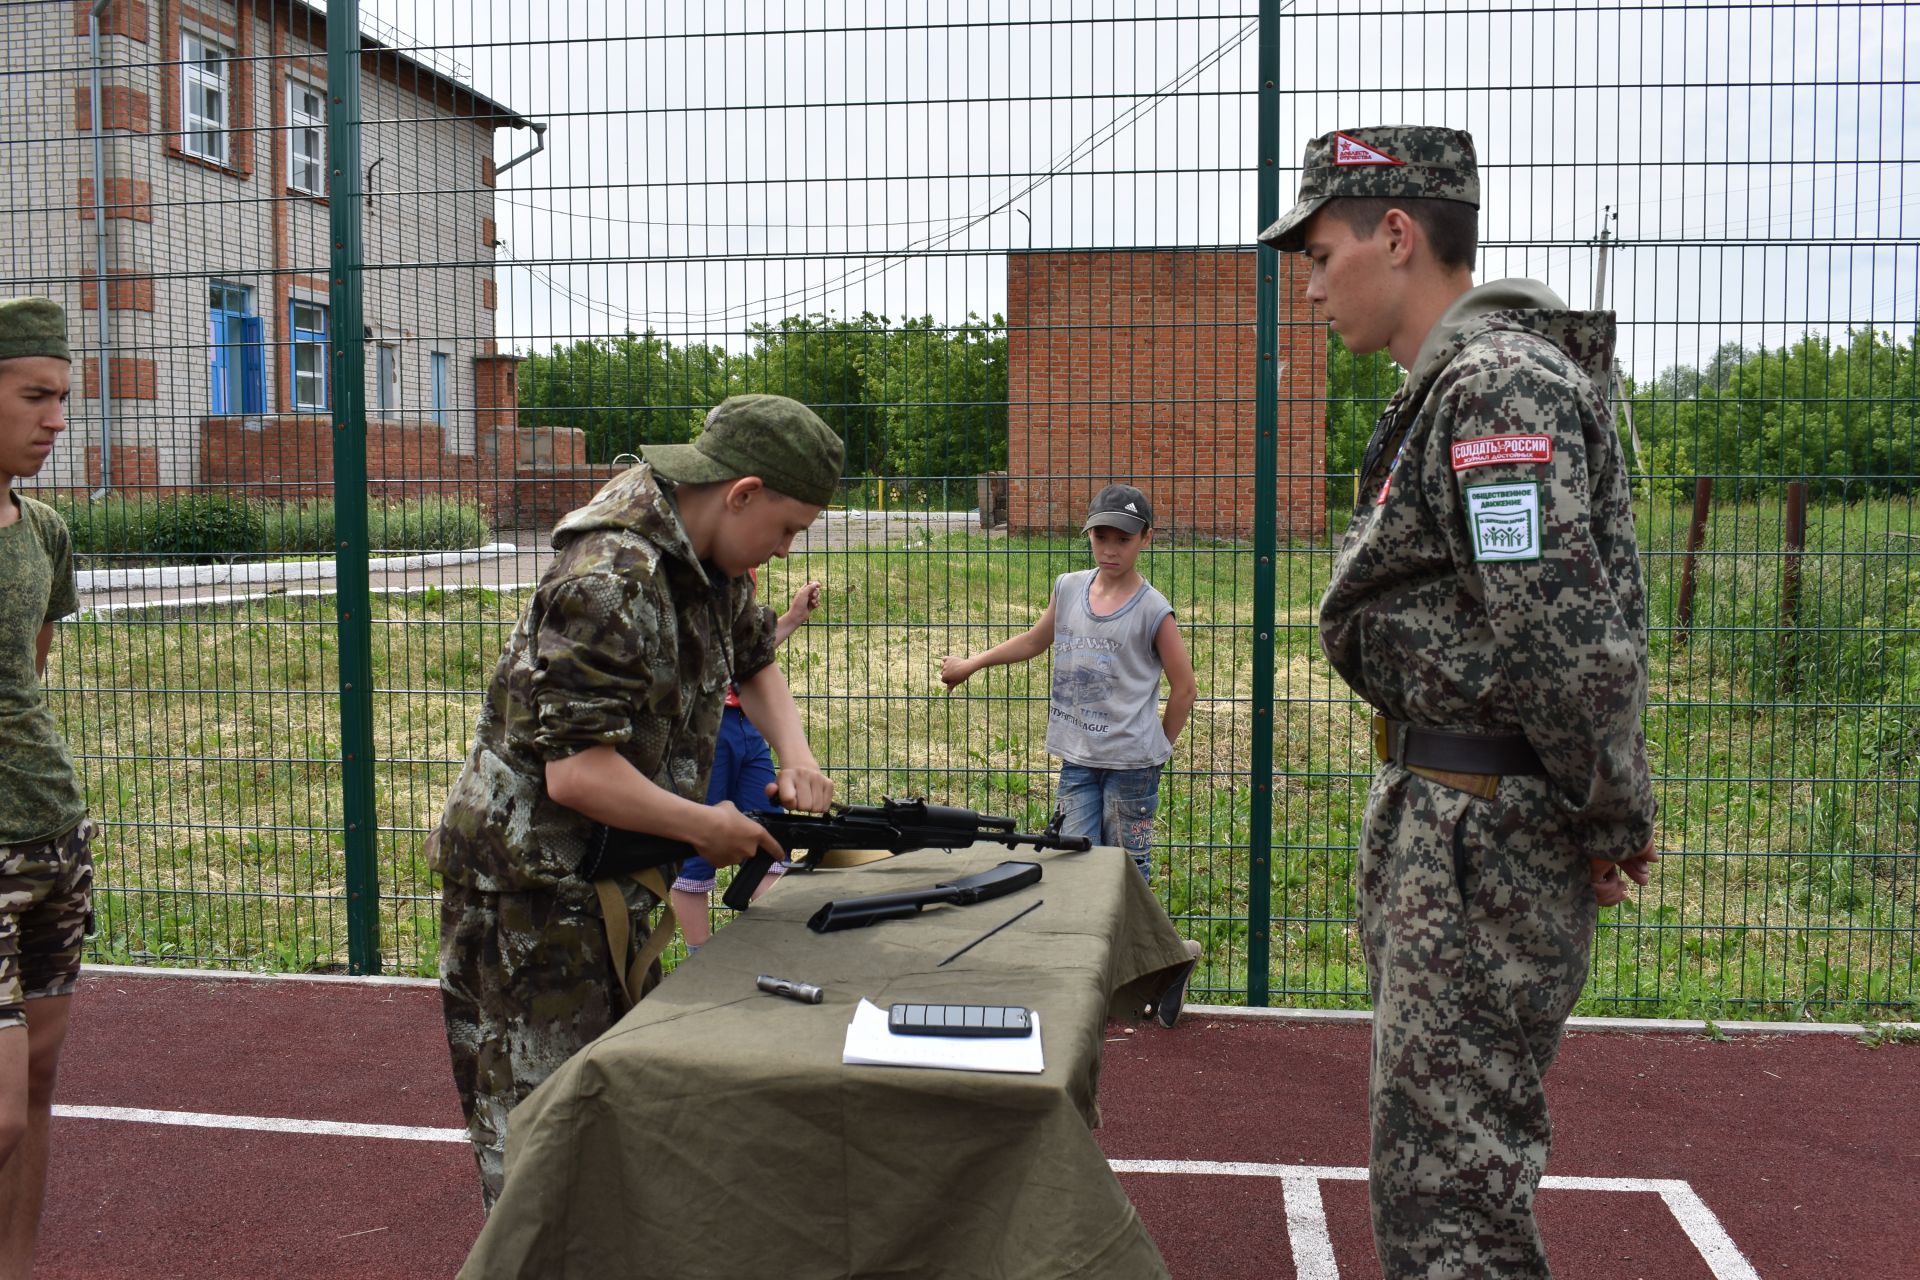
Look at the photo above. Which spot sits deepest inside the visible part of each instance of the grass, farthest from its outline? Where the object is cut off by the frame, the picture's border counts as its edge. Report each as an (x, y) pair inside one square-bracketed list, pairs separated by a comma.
[(1790, 810)]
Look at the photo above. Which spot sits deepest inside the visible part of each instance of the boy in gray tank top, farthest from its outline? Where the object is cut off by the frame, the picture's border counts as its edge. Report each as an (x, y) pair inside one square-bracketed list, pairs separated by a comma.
[(1112, 636)]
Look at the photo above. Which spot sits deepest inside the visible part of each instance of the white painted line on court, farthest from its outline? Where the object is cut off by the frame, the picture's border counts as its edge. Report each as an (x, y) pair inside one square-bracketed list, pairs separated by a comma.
[(1314, 1260), (1299, 1183), (1307, 1230), (1723, 1257), (263, 1124)]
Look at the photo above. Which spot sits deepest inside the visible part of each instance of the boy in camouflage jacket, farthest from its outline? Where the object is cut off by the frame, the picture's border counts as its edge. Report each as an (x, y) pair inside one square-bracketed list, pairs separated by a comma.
[(604, 709), (1488, 604)]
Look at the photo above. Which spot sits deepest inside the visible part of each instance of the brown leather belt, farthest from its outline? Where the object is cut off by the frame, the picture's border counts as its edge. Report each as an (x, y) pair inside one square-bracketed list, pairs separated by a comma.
[(1470, 762)]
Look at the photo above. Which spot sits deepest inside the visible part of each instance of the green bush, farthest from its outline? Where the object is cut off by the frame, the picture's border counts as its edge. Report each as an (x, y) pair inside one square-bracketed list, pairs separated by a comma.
[(202, 528), (426, 524)]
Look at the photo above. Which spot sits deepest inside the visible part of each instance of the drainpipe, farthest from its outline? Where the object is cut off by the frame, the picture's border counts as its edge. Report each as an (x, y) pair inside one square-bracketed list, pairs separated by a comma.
[(100, 256), (539, 145)]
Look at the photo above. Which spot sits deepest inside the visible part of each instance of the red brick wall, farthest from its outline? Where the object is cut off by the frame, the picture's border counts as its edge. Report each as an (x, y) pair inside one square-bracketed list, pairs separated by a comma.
[(1140, 367), (121, 18), (121, 106), (126, 291), (522, 482)]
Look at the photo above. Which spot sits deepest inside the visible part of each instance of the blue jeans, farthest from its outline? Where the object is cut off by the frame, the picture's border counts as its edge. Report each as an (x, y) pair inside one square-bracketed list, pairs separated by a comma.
[(1112, 807), (742, 768)]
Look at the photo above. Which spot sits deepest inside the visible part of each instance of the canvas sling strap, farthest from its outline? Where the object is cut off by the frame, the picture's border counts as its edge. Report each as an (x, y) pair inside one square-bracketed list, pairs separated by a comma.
[(613, 913)]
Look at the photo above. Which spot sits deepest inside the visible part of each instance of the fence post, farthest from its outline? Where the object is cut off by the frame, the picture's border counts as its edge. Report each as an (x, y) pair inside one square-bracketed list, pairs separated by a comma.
[(1790, 579), (1266, 484), (347, 378), (1696, 534)]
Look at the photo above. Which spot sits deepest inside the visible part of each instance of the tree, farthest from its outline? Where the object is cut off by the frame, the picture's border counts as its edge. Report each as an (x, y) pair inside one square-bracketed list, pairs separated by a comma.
[(945, 396), (833, 366), (1358, 388), (623, 392)]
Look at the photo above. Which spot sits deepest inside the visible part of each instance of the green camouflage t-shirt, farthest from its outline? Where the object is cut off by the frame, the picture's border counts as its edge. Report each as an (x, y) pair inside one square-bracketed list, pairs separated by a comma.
[(39, 792)]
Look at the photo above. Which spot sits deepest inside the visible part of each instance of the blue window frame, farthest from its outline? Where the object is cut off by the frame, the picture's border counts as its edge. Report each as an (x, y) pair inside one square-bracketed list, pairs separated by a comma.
[(440, 388), (236, 351), (307, 321)]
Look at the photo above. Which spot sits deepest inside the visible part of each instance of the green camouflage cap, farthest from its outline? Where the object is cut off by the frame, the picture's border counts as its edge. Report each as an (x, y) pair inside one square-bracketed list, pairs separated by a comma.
[(779, 440), (1390, 161), (33, 327)]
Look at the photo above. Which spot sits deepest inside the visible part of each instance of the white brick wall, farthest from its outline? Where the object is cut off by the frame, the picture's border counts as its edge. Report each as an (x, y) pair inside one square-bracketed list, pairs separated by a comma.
[(422, 224)]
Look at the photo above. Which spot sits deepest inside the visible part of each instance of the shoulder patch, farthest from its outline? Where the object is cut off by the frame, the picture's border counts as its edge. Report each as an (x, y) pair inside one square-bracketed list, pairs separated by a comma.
[(1504, 521), (1490, 451)]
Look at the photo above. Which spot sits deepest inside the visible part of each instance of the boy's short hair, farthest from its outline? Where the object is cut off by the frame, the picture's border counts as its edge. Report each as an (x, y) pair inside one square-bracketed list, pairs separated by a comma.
[(1452, 228)]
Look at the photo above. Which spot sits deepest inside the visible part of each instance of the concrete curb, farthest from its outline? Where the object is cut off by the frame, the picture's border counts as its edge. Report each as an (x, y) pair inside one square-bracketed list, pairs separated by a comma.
[(255, 574)]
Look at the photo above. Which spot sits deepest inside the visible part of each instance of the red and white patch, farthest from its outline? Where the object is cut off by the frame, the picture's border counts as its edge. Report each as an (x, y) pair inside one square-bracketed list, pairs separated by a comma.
[(1494, 451), (1353, 151)]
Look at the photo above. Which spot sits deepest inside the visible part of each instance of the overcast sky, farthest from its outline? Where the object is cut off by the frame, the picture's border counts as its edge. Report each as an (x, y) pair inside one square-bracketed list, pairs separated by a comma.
[(710, 165)]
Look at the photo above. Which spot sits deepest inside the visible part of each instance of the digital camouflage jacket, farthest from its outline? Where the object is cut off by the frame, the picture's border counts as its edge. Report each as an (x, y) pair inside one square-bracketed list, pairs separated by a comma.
[(627, 642), (1490, 581)]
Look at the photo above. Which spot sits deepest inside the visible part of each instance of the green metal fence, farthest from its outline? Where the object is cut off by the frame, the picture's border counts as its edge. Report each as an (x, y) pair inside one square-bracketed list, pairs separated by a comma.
[(385, 289)]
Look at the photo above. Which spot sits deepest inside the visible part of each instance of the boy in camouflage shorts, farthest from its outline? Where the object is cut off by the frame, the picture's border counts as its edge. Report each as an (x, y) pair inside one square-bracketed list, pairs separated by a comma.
[(603, 712), (46, 873), (1487, 602)]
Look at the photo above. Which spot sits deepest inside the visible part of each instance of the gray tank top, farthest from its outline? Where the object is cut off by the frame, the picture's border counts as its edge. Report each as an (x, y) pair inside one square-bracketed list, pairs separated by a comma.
[(1105, 712)]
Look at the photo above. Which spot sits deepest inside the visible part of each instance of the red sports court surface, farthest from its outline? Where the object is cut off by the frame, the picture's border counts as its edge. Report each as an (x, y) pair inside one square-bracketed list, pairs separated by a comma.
[(226, 1127)]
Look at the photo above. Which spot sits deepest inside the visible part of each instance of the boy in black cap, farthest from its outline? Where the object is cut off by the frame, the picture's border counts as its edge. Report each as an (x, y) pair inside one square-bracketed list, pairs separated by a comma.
[(46, 867), (603, 712), (1112, 637)]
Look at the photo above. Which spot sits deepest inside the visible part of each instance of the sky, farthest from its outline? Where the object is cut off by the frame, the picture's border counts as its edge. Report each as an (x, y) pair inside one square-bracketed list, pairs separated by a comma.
[(714, 165)]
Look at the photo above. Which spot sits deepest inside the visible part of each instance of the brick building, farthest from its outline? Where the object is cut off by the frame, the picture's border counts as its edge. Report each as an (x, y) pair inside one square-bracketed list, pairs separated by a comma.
[(215, 176), (1139, 366)]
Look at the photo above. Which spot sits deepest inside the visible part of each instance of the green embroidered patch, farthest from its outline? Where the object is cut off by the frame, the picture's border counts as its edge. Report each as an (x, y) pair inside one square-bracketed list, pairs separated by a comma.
[(1504, 521)]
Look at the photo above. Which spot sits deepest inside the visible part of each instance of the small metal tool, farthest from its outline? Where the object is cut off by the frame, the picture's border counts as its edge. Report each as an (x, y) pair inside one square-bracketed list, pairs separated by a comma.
[(804, 992)]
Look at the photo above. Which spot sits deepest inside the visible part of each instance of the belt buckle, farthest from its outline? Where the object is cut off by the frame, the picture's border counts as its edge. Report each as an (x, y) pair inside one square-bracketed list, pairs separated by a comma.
[(1382, 746)]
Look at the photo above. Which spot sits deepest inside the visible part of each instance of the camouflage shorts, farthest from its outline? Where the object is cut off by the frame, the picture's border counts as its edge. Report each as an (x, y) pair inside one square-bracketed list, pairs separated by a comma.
[(525, 983), (46, 912)]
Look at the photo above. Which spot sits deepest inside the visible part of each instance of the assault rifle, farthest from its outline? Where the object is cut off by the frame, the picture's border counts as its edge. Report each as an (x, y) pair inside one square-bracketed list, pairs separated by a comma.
[(895, 826)]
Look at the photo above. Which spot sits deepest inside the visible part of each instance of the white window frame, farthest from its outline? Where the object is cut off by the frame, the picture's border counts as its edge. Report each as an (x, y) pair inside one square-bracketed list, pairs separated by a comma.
[(386, 370), (314, 342), (204, 136), (304, 126)]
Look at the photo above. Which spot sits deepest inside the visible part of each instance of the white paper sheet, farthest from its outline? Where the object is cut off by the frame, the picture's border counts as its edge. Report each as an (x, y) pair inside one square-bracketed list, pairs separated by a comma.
[(869, 1043)]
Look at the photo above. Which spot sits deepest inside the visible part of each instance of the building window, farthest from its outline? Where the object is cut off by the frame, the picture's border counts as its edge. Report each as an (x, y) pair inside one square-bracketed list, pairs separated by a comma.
[(386, 377), (309, 355), (236, 351), (307, 139), (203, 98), (440, 388)]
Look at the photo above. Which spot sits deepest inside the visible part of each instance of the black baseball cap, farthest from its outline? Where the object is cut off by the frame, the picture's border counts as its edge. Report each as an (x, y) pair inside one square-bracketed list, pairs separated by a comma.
[(1122, 507)]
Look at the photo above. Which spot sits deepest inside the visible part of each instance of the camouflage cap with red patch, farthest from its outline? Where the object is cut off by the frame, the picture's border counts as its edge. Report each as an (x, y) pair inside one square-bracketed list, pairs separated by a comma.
[(1389, 161)]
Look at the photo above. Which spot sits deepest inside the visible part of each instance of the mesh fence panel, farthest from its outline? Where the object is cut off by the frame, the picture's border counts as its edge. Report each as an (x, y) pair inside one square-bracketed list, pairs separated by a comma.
[(1007, 257)]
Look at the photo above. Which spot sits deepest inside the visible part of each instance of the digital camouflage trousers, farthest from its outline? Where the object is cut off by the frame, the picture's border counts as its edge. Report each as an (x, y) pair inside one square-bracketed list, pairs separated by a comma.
[(1477, 920), (525, 983)]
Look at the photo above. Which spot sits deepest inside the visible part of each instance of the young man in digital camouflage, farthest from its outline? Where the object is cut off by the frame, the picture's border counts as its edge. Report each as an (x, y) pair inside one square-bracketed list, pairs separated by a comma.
[(1488, 604), (604, 709), (46, 866)]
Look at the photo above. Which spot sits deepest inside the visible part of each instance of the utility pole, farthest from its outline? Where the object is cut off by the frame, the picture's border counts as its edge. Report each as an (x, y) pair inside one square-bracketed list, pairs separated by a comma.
[(1605, 241)]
